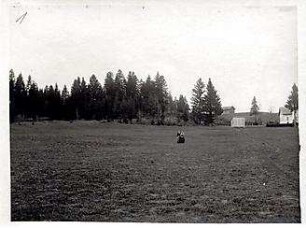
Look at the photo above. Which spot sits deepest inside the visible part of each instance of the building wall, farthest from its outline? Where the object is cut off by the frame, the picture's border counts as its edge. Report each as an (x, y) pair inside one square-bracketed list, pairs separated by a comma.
[(229, 111), (284, 119), (238, 122)]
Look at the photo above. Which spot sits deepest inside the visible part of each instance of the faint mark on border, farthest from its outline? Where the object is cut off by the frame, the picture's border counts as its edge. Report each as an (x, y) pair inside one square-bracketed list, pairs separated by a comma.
[(20, 19)]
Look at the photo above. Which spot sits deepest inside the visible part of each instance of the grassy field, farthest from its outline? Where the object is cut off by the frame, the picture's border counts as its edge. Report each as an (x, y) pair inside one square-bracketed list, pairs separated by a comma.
[(91, 171)]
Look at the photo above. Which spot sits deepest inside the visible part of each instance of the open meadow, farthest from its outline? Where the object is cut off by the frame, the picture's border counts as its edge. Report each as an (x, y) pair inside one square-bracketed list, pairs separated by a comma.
[(92, 171)]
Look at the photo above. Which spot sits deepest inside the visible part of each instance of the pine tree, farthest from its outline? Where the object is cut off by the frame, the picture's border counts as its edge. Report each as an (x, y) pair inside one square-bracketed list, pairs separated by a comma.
[(34, 102), (171, 109), (20, 96), (12, 83), (212, 103), (110, 94), (161, 97), (12, 96), (293, 99), (57, 103), (28, 105), (131, 98), (67, 111), (147, 98), (182, 109), (65, 95), (96, 98), (197, 101), (76, 97), (293, 102), (49, 94), (41, 103), (132, 86), (120, 92), (254, 109), (83, 102), (29, 83)]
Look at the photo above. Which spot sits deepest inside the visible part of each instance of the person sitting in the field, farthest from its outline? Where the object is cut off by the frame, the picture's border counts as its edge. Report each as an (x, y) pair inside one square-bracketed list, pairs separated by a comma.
[(180, 136)]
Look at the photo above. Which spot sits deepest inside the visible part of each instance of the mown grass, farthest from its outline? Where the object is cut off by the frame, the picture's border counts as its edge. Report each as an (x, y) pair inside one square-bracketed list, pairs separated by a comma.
[(91, 171)]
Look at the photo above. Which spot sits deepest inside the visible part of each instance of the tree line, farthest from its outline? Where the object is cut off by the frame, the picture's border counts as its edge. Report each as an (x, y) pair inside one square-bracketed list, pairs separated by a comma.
[(119, 98)]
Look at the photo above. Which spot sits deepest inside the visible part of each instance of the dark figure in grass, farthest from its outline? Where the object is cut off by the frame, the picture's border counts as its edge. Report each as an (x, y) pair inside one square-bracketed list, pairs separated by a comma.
[(180, 138)]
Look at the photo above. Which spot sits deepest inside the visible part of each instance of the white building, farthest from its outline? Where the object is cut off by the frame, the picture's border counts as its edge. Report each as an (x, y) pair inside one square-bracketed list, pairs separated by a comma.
[(238, 122), (285, 116)]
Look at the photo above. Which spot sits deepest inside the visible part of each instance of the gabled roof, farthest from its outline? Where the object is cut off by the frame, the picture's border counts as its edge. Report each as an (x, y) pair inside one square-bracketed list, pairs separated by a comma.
[(284, 111)]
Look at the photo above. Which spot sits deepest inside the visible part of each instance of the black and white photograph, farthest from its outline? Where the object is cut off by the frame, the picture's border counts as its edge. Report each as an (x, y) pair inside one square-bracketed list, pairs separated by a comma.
[(154, 111)]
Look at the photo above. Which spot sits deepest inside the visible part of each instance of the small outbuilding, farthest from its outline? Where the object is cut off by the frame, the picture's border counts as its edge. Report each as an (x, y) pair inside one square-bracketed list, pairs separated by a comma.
[(238, 122), (285, 116)]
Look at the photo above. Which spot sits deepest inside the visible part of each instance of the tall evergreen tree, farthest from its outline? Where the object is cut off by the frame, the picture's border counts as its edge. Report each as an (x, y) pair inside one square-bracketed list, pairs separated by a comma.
[(132, 94), (41, 100), (27, 104), (65, 95), (212, 102), (50, 100), (20, 96), (110, 94), (182, 109), (120, 92), (12, 96), (131, 85), (293, 99), (83, 102), (76, 97), (29, 83), (57, 102), (34, 102), (197, 101), (147, 98), (96, 98), (254, 108), (172, 106), (293, 102), (67, 110), (161, 96)]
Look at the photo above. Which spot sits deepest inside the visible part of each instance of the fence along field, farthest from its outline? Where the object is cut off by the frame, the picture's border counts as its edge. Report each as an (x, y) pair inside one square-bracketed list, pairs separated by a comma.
[(92, 171)]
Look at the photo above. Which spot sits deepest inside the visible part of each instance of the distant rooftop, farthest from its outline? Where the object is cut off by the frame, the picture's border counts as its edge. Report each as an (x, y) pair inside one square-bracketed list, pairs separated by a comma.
[(284, 111), (228, 107)]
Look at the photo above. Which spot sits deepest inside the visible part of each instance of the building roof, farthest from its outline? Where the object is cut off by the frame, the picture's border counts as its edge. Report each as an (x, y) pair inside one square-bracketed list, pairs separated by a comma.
[(284, 111), (228, 107)]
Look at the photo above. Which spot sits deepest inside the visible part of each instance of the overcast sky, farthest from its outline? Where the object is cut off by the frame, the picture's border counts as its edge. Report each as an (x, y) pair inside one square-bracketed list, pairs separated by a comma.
[(246, 51)]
